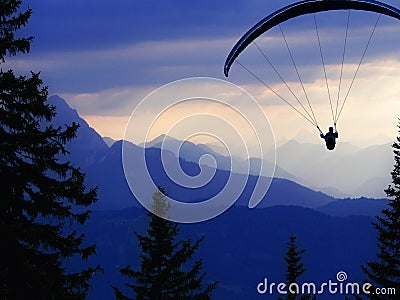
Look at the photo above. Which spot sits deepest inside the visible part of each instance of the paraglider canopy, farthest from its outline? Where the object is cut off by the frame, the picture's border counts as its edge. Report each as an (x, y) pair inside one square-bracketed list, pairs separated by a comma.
[(303, 8)]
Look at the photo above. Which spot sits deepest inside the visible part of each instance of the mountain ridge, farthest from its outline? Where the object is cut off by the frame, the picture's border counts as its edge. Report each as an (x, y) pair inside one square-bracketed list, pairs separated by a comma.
[(312, 166), (104, 168)]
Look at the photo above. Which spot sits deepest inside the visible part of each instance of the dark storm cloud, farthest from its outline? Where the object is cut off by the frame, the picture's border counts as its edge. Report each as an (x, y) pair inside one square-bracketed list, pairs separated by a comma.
[(93, 45), (90, 24), (70, 25)]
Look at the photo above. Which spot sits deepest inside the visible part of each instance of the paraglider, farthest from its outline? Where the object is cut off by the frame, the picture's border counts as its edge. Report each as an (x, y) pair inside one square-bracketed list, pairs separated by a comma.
[(330, 138), (296, 10)]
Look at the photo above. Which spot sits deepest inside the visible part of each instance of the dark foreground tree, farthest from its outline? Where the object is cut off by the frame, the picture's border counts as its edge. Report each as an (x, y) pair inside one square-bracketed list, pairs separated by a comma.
[(42, 195), (295, 268), (384, 272), (164, 272)]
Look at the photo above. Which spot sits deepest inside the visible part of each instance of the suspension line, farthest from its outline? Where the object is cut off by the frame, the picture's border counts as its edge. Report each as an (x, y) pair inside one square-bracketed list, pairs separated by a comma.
[(283, 80), (276, 93), (358, 67), (298, 75), (323, 65), (341, 69)]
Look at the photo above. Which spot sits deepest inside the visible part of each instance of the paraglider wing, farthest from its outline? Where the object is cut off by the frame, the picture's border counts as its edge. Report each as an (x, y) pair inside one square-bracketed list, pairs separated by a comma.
[(303, 8)]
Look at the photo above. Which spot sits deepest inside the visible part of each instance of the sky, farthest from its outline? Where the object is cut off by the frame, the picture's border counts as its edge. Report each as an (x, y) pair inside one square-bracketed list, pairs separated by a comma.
[(104, 57)]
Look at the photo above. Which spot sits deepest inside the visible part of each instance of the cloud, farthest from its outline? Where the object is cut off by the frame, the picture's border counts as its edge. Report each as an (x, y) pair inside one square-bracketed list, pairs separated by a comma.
[(137, 64), (116, 102), (90, 24), (89, 46), (159, 62), (108, 126)]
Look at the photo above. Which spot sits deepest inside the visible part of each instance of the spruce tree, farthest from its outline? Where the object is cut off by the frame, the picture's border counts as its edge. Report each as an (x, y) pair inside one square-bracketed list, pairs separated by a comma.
[(294, 267), (164, 272), (42, 195), (384, 272)]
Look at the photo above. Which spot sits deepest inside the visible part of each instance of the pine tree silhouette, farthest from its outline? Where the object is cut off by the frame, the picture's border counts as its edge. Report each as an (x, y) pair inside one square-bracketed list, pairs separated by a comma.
[(42, 197), (295, 268), (384, 272), (163, 260)]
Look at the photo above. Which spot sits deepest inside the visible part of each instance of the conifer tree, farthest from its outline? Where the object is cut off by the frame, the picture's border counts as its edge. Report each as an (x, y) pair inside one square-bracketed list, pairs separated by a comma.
[(384, 272), (295, 267), (42, 195), (164, 272)]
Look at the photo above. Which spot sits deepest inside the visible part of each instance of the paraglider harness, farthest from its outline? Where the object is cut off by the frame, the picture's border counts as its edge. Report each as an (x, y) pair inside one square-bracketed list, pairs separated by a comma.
[(330, 137)]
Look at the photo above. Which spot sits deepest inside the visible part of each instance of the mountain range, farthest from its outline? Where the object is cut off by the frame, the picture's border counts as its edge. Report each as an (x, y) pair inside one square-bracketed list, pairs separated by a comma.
[(242, 246), (349, 171), (104, 168)]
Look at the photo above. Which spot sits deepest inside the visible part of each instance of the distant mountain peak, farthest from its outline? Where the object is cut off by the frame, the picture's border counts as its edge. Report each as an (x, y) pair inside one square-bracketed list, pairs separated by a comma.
[(167, 141), (161, 138), (58, 101), (109, 141), (65, 114), (87, 143)]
